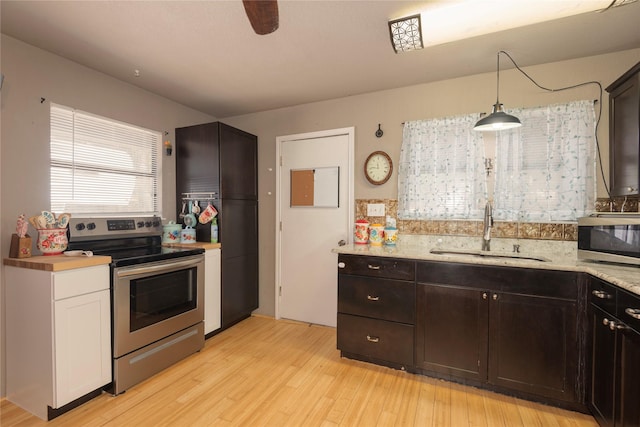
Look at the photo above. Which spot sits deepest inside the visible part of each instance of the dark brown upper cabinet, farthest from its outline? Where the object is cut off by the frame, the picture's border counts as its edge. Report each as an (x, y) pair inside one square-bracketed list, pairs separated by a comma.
[(624, 133)]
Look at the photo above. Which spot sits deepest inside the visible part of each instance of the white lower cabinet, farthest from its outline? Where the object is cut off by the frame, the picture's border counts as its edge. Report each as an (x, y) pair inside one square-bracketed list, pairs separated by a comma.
[(212, 291), (58, 336)]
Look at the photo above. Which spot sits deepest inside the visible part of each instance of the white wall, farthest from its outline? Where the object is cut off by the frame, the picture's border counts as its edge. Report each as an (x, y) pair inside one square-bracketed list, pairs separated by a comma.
[(32, 74), (391, 108)]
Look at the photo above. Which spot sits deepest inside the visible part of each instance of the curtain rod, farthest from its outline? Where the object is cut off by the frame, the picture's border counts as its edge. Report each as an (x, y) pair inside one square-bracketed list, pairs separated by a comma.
[(595, 101)]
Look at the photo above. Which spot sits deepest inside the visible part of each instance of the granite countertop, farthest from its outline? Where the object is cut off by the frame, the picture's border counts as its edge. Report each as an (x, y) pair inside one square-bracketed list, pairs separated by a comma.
[(557, 255)]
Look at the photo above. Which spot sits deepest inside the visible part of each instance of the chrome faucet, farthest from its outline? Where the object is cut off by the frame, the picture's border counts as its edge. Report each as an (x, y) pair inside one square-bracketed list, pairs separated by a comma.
[(488, 224)]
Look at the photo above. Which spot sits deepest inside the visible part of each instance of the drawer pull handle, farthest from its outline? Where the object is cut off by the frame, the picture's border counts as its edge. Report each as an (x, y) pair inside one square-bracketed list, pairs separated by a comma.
[(370, 298), (633, 312), (613, 325), (373, 267), (372, 339), (341, 265), (601, 294)]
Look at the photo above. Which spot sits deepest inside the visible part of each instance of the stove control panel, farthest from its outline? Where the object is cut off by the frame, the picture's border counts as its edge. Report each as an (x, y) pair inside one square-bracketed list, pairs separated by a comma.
[(121, 224), (107, 228)]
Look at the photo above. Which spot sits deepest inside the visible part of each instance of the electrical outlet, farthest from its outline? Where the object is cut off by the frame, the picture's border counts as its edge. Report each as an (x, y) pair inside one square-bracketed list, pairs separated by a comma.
[(375, 209)]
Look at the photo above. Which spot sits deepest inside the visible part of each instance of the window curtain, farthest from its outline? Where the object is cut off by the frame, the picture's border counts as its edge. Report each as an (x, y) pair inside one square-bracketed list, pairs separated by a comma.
[(546, 169), (441, 171)]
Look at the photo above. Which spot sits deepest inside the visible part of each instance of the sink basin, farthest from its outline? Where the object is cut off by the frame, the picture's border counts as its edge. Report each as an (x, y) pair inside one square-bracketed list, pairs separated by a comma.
[(487, 254)]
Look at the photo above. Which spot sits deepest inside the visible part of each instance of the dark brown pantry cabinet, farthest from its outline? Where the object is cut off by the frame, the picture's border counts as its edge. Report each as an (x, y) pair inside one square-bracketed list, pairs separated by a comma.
[(217, 158), (624, 133), (614, 397)]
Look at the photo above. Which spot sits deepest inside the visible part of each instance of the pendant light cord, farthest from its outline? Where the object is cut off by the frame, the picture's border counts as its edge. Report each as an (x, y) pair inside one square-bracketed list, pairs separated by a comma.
[(593, 82), (498, 78)]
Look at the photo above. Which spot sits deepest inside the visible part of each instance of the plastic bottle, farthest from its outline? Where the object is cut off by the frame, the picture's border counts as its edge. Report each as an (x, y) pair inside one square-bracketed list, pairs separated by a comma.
[(214, 230)]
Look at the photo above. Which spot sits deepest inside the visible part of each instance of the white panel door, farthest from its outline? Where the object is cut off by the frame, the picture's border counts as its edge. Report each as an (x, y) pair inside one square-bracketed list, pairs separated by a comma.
[(307, 286)]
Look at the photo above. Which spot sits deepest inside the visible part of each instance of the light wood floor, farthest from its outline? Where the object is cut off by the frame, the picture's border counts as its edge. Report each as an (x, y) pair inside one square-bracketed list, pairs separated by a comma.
[(264, 372)]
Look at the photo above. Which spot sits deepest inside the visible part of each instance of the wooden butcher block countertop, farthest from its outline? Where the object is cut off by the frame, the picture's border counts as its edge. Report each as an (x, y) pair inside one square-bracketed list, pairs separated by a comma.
[(57, 262)]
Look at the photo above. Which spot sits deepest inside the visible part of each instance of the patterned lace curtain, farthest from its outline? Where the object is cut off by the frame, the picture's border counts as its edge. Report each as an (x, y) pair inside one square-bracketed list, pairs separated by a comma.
[(546, 169), (441, 171)]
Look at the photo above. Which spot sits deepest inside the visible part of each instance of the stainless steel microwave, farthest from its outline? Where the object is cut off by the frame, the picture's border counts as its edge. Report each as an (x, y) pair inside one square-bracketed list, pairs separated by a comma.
[(610, 237)]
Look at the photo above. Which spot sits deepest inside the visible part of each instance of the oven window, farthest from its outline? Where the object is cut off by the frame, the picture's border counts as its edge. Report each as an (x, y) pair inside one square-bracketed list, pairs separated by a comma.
[(156, 298)]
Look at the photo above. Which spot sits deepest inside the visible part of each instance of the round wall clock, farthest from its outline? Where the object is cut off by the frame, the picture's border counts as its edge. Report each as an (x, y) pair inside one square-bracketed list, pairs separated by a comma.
[(378, 167)]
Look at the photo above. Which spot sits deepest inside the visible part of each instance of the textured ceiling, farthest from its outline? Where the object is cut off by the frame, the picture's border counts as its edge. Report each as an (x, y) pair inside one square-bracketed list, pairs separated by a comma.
[(205, 55)]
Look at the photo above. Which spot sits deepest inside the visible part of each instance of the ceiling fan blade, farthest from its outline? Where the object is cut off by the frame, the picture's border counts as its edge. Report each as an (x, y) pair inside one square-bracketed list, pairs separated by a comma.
[(263, 15)]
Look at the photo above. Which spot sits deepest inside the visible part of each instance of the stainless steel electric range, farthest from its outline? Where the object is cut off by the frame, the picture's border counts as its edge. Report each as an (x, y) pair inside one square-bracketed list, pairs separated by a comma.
[(157, 294)]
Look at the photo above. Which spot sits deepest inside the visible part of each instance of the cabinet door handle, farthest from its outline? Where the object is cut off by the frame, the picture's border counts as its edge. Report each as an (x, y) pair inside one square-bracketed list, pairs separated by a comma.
[(373, 267), (370, 298), (495, 297), (372, 339), (484, 295), (633, 312), (341, 265), (601, 294)]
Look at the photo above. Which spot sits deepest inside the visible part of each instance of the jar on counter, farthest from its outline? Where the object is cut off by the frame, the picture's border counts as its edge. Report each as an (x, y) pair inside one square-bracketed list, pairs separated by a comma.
[(376, 234), (390, 236), (361, 235)]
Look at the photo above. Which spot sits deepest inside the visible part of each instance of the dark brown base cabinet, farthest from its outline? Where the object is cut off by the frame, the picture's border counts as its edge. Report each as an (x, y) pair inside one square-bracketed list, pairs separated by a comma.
[(376, 300), (517, 331), (511, 329), (614, 397)]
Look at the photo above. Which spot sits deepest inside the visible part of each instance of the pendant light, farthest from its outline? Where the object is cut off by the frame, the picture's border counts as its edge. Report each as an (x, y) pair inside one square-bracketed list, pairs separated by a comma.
[(498, 119)]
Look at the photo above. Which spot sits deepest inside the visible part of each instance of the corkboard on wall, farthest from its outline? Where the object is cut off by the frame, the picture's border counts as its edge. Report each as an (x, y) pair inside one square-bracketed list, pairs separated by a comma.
[(302, 187)]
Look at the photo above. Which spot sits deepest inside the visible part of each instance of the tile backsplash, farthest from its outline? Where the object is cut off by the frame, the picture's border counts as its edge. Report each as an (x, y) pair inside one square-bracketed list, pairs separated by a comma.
[(618, 204), (502, 229)]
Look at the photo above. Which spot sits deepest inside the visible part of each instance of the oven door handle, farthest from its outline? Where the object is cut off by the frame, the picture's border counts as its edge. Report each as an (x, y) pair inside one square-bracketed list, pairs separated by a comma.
[(160, 268)]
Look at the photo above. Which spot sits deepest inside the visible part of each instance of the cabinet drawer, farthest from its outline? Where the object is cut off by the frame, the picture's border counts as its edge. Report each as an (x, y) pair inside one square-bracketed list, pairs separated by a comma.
[(377, 339), (384, 299), (389, 268), (629, 309), (603, 295), (80, 281)]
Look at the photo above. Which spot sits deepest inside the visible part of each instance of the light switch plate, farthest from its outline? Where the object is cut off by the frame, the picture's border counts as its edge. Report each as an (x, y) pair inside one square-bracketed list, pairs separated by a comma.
[(375, 209)]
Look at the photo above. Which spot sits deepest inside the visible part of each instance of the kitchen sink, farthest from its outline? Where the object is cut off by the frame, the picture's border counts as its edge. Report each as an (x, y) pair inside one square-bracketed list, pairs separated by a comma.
[(488, 254)]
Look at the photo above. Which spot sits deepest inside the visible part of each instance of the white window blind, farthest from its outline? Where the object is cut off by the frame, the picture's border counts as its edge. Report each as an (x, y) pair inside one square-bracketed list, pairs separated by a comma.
[(441, 171), (545, 170), (103, 167)]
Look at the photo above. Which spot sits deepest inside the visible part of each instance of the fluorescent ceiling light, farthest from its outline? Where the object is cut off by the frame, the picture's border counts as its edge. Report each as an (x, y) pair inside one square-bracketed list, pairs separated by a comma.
[(406, 33), (452, 20)]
